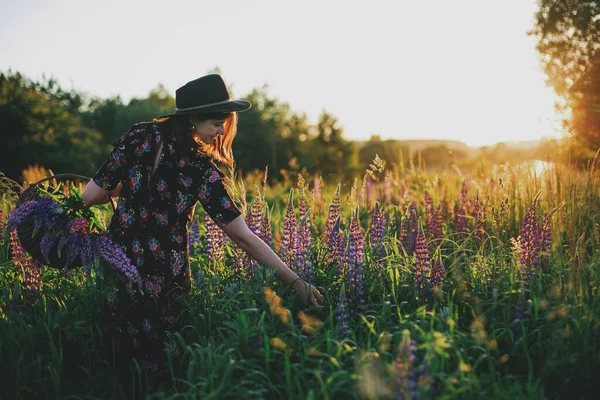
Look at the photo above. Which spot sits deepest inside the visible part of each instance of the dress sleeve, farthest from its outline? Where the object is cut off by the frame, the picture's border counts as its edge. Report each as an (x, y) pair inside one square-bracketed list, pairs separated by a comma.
[(214, 197), (112, 171)]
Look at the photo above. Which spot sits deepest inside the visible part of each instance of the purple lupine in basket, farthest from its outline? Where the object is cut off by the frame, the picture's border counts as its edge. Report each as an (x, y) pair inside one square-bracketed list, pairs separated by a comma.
[(194, 236), (114, 255), (20, 213), (290, 234), (377, 233), (423, 264), (46, 214), (529, 244), (334, 212), (356, 260), (304, 249), (405, 371), (341, 315)]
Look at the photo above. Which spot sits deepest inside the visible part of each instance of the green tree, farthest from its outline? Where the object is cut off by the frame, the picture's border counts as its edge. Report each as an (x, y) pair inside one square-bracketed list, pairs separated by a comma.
[(568, 34), (41, 124)]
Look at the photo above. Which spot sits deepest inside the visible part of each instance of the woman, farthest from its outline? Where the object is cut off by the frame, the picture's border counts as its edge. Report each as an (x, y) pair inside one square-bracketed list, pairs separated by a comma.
[(159, 171)]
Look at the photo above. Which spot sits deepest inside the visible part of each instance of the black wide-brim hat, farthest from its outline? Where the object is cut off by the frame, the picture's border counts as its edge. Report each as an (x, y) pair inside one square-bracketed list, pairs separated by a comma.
[(207, 94)]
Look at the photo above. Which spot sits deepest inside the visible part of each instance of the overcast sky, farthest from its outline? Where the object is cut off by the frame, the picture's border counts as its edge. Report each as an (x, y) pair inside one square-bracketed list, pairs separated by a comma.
[(462, 69)]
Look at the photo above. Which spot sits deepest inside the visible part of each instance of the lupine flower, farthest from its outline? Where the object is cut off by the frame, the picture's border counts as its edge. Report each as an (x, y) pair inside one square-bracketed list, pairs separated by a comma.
[(45, 214), (546, 236), (303, 250), (529, 244), (265, 229), (335, 244), (437, 272), (334, 212), (422, 267), (429, 215), (377, 233), (460, 220), (31, 278), (114, 255), (19, 214), (406, 374), (464, 197), (439, 221), (214, 241), (341, 315), (403, 235), (356, 260), (194, 236), (289, 232), (413, 219), (317, 189), (16, 249)]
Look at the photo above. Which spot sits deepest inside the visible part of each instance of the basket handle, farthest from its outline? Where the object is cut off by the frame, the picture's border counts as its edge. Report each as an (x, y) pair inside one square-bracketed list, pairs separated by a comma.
[(68, 176)]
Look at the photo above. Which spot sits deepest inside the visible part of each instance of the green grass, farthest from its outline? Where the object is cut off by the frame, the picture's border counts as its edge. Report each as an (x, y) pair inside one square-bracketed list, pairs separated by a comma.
[(469, 343)]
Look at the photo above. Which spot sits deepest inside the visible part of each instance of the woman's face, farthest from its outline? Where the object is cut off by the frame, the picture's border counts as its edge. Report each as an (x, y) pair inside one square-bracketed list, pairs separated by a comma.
[(206, 131)]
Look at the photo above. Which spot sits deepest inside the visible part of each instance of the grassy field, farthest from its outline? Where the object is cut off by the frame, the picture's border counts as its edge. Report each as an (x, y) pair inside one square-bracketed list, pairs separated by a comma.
[(446, 286)]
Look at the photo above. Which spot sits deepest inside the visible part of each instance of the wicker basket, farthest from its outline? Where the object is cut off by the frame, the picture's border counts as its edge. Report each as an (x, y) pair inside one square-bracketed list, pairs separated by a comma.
[(30, 242)]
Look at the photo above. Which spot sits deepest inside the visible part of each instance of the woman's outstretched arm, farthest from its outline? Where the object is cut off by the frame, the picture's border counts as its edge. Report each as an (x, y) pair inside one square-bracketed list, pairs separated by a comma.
[(239, 232)]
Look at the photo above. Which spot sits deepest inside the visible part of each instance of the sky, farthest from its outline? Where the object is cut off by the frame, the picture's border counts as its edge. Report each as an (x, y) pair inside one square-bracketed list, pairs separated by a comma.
[(460, 70)]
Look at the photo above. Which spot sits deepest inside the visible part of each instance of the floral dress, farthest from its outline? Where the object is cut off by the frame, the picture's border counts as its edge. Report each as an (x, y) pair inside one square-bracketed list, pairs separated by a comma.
[(150, 223)]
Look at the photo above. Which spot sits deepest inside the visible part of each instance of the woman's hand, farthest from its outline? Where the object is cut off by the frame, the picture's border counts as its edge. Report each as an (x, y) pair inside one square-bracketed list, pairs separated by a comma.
[(309, 295)]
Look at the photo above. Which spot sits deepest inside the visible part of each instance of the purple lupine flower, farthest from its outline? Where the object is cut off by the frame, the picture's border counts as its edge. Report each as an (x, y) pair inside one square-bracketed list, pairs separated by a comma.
[(377, 233), (355, 260), (437, 272), (214, 241), (46, 214), (460, 220), (16, 249), (290, 233), (406, 374), (334, 212), (430, 216), (114, 255), (304, 249), (19, 214), (335, 244), (464, 198), (529, 241), (423, 264), (254, 216), (403, 235), (47, 244), (31, 278), (341, 315), (413, 220), (265, 229), (439, 221), (302, 204), (194, 236)]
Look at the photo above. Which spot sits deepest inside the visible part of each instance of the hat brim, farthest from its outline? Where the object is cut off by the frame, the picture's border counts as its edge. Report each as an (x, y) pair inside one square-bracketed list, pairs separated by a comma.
[(232, 106)]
